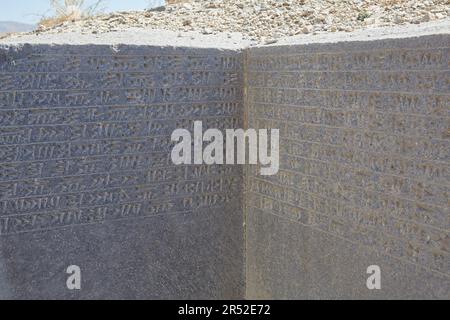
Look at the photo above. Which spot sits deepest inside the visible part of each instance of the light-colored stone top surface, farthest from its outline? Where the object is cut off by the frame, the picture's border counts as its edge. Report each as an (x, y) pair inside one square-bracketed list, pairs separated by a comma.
[(235, 41), (135, 36), (263, 20), (369, 34)]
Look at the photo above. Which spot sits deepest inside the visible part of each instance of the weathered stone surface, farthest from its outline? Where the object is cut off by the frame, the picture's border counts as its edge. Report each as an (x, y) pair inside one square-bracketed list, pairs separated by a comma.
[(364, 176), (264, 21), (86, 177)]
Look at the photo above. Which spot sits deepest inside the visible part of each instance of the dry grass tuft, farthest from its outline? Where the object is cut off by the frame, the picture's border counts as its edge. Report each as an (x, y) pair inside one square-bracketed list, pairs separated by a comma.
[(68, 11)]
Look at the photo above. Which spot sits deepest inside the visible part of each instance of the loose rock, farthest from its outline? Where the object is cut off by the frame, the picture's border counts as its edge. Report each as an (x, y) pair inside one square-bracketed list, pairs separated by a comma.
[(265, 19)]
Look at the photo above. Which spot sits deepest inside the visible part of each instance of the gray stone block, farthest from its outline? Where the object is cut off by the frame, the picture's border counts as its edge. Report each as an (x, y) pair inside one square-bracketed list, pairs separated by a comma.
[(364, 159), (86, 177)]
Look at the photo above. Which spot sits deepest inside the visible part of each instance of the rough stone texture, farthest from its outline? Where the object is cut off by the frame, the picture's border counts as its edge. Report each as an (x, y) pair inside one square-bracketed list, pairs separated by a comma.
[(264, 21), (86, 177), (364, 176)]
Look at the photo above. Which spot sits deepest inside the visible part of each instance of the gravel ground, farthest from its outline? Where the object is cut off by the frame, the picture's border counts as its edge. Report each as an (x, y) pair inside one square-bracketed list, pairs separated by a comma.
[(265, 21), (220, 41)]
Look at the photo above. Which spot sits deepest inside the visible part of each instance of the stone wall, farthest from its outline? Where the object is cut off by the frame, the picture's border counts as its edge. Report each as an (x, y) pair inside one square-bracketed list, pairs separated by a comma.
[(364, 176), (86, 177)]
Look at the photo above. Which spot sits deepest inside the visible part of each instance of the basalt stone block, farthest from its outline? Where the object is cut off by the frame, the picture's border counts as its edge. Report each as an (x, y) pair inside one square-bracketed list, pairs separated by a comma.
[(363, 180), (86, 177), (87, 182)]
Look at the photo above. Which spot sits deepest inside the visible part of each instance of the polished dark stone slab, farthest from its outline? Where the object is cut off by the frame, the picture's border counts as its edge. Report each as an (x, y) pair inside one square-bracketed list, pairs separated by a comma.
[(86, 177)]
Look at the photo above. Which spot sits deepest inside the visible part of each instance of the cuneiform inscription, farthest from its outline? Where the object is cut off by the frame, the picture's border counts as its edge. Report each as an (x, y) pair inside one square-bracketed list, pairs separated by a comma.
[(374, 120), (82, 165), (99, 181), (104, 130), (145, 192), (422, 59), (110, 80), (418, 81), (86, 138), (318, 211), (107, 114), (120, 63), (364, 146), (99, 214), (128, 96), (365, 100), (424, 148), (366, 161)]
